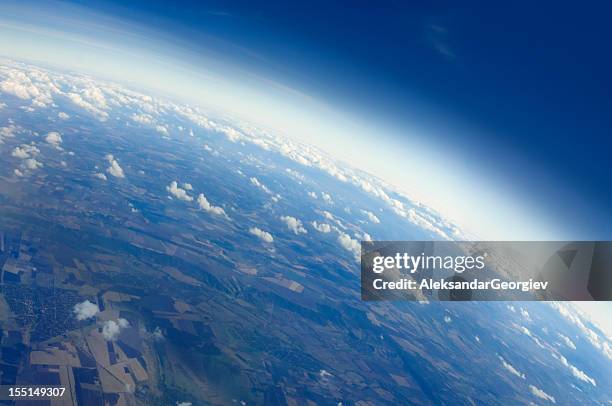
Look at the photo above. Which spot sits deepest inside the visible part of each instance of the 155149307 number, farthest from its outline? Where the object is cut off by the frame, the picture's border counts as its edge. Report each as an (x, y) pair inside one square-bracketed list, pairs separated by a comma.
[(36, 391)]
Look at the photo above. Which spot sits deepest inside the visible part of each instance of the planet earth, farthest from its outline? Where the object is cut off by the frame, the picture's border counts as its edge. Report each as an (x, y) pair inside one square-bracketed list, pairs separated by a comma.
[(156, 253)]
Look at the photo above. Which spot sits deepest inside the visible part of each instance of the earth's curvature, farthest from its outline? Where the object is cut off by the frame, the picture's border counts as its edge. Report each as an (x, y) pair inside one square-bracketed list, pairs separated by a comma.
[(153, 254)]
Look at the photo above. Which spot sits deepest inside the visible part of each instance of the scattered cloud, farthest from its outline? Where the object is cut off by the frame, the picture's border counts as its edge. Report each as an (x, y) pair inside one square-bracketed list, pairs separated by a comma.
[(25, 151), (54, 138), (602, 343), (541, 394), (327, 198), (175, 190), (112, 328), (510, 368), (525, 314), (294, 224), (371, 216), (206, 206), (349, 244), (85, 310), (32, 164), (260, 185), (575, 371), (567, 341), (114, 169), (63, 115), (100, 175), (262, 235), (321, 227)]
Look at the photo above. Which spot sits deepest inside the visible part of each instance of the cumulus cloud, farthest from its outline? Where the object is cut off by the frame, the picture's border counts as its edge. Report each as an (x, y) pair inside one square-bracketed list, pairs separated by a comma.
[(85, 310), (575, 371), (63, 115), (294, 224), (32, 164), (143, 119), (313, 195), (54, 138), (599, 342), (328, 215), (260, 185), (321, 227), (371, 216), (7, 132), (206, 206), (567, 341), (187, 186), (541, 394), (112, 328), (114, 169), (525, 314), (25, 151), (175, 190), (349, 244), (327, 198), (511, 368), (263, 235), (100, 175), (18, 173)]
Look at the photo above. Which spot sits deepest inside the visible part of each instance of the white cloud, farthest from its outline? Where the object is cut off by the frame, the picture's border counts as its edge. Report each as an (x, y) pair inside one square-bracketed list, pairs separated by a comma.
[(187, 186), (175, 190), (206, 206), (575, 371), (85, 310), (114, 169), (63, 115), (371, 216), (18, 173), (511, 368), (567, 341), (313, 195), (327, 198), (143, 119), (263, 235), (162, 129), (54, 138), (321, 227), (25, 151), (349, 244), (601, 343), (260, 185), (32, 164), (7, 132), (294, 224), (525, 314), (541, 394), (100, 175), (111, 328)]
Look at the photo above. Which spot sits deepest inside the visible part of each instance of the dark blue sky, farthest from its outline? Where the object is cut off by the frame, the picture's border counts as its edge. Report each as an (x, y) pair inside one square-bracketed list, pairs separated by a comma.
[(522, 89)]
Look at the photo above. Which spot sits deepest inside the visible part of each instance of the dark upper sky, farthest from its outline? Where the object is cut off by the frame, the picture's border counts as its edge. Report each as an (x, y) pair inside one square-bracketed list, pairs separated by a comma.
[(528, 80)]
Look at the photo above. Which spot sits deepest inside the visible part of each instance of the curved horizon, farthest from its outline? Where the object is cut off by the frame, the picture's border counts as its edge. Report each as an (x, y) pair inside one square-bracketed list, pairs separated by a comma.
[(475, 193)]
